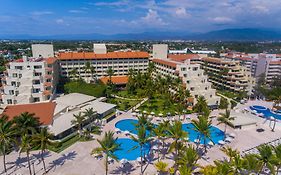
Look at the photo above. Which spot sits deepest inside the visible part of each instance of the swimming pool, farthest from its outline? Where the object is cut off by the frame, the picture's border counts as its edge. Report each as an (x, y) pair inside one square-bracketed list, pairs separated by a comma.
[(216, 133), (126, 151), (128, 125), (265, 111)]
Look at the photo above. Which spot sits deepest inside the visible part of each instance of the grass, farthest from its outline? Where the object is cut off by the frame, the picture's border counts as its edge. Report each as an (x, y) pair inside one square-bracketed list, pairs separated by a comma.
[(159, 104), (123, 104), (96, 90), (228, 94), (125, 94)]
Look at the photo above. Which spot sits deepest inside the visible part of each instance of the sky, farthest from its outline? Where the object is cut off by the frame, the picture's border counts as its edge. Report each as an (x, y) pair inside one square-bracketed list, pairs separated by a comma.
[(56, 17)]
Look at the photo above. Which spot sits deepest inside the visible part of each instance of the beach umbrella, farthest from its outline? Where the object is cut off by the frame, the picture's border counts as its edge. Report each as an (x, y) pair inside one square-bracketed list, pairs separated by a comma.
[(117, 130), (272, 118), (155, 147), (127, 132), (144, 112), (210, 143), (139, 159), (160, 114), (228, 139), (152, 113), (150, 116), (123, 161), (221, 142), (197, 141), (134, 114), (232, 135), (137, 110)]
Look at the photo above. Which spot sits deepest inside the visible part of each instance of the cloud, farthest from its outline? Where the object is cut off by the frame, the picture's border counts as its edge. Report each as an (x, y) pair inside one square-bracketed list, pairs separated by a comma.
[(116, 3), (181, 13), (222, 20), (77, 11), (59, 21), (40, 13), (152, 18)]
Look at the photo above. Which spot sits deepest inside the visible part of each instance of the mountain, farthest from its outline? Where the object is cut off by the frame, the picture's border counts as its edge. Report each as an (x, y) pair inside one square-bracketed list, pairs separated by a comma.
[(246, 34)]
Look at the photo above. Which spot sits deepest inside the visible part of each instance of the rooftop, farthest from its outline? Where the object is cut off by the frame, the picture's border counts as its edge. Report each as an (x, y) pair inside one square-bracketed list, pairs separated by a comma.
[(109, 55), (183, 57), (44, 111), (165, 62), (115, 79)]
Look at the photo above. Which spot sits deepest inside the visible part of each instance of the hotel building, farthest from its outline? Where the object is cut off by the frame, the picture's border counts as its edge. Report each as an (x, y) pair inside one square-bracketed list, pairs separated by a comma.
[(191, 74)]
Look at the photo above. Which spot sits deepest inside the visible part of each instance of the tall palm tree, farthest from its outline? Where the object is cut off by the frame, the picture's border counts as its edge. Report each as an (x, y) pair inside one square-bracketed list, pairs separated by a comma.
[(7, 137), (188, 157), (43, 140), (251, 164), (93, 71), (202, 125), (26, 146), (208, 170), (87, 67), (108, 146), (225, 119), (74, 73), (277, 151), (160, 133), (201, 107), (267, 158), (178, 135), (142, 139), (26, 123), (110, 73), (90, 114), (78, 121), (162, 167)]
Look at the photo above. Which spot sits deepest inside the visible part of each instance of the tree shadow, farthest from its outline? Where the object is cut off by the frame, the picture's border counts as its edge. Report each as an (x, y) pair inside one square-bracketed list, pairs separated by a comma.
[(61, 160), (20, 162), (125, 169), (38, 156)]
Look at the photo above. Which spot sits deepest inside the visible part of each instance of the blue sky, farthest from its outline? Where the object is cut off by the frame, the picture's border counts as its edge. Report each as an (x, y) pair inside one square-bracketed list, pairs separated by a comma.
[(50, 17)]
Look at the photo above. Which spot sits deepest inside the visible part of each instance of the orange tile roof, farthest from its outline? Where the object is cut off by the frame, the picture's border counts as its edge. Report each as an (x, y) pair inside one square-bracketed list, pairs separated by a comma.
[(244, 58), (115, 79), (44, 111), (46, 92), (50, 60), (92, 55), (165, 62), (275, 62), (183, 57)]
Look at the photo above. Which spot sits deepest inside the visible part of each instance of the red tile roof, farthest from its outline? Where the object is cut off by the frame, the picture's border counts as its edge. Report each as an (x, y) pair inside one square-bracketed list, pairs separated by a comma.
[(165, 62), (115, 79), (275, 62), (92, 55), (183, 57), (44, 111), (50, 60)]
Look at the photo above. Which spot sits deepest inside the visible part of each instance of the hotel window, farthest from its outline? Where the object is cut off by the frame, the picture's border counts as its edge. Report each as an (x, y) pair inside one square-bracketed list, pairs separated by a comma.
[(11, 92), (37, 99), (192, 88), (37, 67), (14, 75), (9, 101)]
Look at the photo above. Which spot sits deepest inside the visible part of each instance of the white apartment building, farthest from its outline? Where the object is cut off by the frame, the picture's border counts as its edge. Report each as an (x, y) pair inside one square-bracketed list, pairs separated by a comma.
[(30, 80), (119, 62), (191, 74)]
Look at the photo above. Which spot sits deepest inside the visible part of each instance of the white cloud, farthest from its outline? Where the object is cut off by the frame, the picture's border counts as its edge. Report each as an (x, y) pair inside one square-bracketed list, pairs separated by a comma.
[(181, 13), (152, 18), (77, 11), (222, 20), (116, 3), (40, 13), (59, 21)]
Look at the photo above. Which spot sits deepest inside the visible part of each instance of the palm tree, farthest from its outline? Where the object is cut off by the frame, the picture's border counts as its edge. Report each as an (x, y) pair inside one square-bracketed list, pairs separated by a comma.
[(208, 170), (74, 73), (201, 107), (160, 133), (226, 120), (93, 71), (277, 151), (7, 137), (202, 125), (267, 158), (26, 123), (188, 157), (110, 73), (78, 121), (162, 167), (87, 67), (142, 139), (90, 114), (108, 146), (251, 164), (178, 134), (43, 140), (26, 146)]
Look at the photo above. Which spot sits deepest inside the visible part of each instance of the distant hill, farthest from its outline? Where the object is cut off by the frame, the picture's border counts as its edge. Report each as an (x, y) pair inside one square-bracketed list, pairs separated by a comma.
[(246, 34)]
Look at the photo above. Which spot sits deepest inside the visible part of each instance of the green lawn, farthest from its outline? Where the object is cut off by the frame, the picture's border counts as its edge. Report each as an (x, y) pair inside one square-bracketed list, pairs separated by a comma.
[(123, 104), (228, 94), (159, 104), (96, 90), (126, 95)]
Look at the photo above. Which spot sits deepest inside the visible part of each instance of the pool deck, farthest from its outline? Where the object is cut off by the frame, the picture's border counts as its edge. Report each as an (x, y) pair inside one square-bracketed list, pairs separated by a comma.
[(76, 160)]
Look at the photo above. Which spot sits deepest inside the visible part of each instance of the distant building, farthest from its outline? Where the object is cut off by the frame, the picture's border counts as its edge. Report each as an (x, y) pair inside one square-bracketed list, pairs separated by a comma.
[(42, 50), (160, 51), (99, 48)]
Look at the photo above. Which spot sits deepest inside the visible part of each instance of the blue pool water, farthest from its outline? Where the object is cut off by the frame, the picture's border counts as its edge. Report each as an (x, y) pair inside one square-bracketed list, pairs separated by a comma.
[(129, 125), (265, 111), (216, 134), (126, 151)]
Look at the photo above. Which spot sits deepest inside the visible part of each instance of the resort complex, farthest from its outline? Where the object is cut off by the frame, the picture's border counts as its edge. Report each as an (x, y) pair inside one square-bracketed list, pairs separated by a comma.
[(170, 112)]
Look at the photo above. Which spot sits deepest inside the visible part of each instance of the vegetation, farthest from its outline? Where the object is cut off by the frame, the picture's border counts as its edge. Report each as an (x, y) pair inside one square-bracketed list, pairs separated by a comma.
[(108, 146), (225, 119), (223, 103)]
